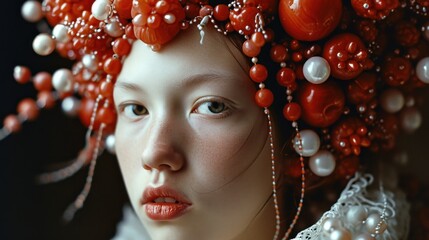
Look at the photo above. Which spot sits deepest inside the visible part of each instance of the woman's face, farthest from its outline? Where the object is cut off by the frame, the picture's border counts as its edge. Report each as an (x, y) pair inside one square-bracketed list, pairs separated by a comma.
[(191, 142)]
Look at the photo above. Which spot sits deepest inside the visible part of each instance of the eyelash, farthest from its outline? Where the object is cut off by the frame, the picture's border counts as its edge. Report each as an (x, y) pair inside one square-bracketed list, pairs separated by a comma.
[(128, 110), (226, 110)]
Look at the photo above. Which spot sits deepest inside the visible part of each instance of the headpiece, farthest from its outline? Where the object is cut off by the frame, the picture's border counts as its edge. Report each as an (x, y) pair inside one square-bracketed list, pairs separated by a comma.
[(350, 70)]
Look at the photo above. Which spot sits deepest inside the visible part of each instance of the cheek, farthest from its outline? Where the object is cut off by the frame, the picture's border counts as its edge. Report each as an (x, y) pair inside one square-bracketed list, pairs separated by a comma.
[(225, 154)]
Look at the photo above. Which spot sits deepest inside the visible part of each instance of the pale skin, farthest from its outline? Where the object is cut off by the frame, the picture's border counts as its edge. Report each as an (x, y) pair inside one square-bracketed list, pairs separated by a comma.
[(187, 120)]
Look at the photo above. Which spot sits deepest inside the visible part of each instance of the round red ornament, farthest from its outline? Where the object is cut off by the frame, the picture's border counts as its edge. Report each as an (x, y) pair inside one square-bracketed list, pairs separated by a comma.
[(310, 20)]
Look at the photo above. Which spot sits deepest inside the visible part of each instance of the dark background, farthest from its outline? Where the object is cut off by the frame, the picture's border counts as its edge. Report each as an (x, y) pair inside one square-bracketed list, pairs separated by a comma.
[(29, 211)]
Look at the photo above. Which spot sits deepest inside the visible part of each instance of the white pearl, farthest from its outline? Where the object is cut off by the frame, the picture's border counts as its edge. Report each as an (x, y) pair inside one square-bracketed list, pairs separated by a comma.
[(422, 70), (392, 100), (340, 234), (60, 32), (411, 119), (100, 9), (322, 163), (426, 31), (90, 62), (114, 29), (330, 224), (110, 144), (316, 70), (372, 221), (43, 44), (363, 236), (71, 106), (310, 143), (169, 18), (62, 80), (356, 215), (32, 11)]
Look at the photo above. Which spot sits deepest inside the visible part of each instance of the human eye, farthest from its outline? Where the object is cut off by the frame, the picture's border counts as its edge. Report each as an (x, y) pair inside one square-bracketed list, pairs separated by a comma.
[(133, 110), (212, 107)]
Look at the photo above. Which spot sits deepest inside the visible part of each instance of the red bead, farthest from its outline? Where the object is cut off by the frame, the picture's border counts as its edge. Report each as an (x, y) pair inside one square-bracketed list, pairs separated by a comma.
[(244, 19), (264, 97), (12, 123), (309, 20), (106, 89), (374, 9), (347, 166), (162, 7), (154, 21), (221, 12), (192, 10), (346, 55), (46, 99), (112, 66), (258, 39), (321, 104), (258, 73), (106, 115), (278, 53), (22, 74), (43, 81), (86, 110), (396, 71), (285, 76), (292, 111), (123, 7), (28, 109), (206, 10), (250, 49), (121, 47), (362, 89)]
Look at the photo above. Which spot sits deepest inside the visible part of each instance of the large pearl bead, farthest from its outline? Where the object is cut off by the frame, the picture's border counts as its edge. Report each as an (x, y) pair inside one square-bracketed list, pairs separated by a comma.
[(392, 100), (114, 29), (310, 143), (373, 221), (411, 119), (356, 215), (422, 70), (32, 11), (340, 234), (71, 106), (62, 80), (60, 33), (316, 70), (43, 44), (330, 224), (90, 62), (110, 144), (322, 163), (100, 9)]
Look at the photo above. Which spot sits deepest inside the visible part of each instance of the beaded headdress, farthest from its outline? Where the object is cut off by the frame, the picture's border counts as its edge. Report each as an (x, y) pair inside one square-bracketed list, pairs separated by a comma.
[(350, 70)]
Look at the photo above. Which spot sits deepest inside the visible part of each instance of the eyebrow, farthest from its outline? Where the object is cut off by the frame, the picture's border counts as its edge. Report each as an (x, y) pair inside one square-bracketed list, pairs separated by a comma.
[(188, 82)]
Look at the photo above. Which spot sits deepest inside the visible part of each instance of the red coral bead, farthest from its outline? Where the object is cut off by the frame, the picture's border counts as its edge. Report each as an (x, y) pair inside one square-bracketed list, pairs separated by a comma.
[(278, 53), (292, 111), (396, 71), (285, 77), (243, 20), (258, 39), (22, 74), (407, 34), (46, 99), (28, 109), (106, 89), (362, 89), (112, 66), (42, 81), (321, 104), (106, 115), (264, 97), (258, 73), (374, 9), (250, 49), (309, 20), (12, 123), (121, 47), (347, 56), (123, 7), (221, 12)]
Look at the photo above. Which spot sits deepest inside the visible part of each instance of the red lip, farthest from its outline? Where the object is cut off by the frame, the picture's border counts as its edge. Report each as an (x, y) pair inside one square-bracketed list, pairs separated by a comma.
[(157, 207)]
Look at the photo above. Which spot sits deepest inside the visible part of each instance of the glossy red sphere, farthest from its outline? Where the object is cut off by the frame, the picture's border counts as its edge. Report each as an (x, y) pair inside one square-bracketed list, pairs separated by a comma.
[(321, 104), (309, 20)]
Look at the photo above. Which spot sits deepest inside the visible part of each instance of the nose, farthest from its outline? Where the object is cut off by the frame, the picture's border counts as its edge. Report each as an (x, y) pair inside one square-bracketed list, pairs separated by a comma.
[(161, 150)]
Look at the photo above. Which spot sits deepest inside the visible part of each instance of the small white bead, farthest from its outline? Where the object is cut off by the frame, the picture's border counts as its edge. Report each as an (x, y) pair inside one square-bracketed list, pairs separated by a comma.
[(60, 33), (310, 143), (110, 144), (356, 215), (100, 9), (43, 44), (392, 100), (322, 163), (411, 119), (316, 70), (90, 62), (32, 11), (422, 70), (62, 80), (71, 106), (114, 29), (169, 18), (340, 234)]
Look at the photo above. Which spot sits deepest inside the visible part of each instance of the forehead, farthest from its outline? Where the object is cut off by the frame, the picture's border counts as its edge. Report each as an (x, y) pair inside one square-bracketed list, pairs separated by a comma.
[(184, 57)]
